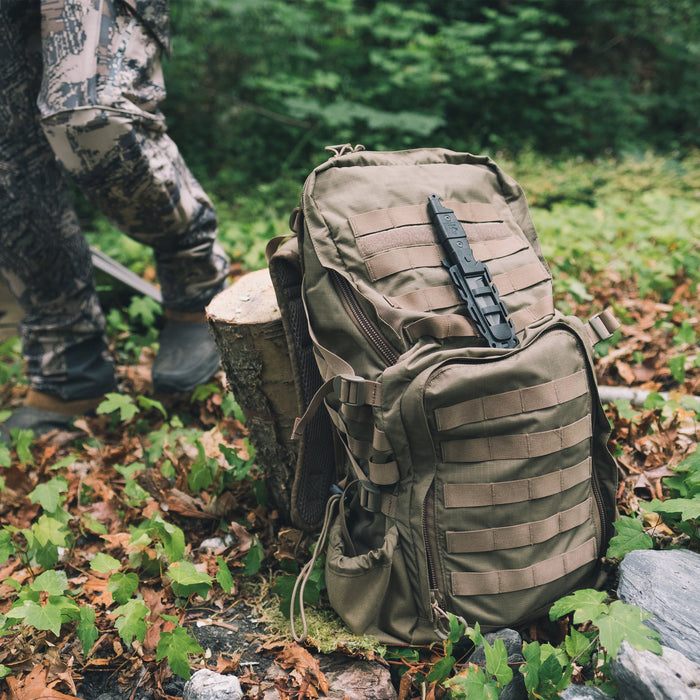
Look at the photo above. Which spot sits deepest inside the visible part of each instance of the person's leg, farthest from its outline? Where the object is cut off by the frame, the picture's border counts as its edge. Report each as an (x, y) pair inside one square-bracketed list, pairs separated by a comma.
[(43, 255), (99, 104)]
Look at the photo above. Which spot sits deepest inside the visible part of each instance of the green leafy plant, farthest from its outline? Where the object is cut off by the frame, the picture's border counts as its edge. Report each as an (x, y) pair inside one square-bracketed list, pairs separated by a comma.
[(682, 510), (630, 536)]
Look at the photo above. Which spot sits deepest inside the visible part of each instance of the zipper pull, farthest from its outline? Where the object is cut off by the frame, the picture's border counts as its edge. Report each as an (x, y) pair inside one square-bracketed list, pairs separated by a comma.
[(441, 619)]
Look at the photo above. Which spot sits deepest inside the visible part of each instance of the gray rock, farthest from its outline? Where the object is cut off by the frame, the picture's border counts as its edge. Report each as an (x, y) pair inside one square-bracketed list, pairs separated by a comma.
[(358, 680), (208, 685), (583, 692), (643, 675), (515, 690), (666, 585)]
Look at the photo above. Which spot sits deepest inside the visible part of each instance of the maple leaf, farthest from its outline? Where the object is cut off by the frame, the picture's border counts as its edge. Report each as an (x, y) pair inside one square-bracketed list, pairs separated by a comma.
[(630, 536), (46, 617), (104, 563), (131, 622), (175, 646), (626, 623), (122, 586), (86, 629), (187, 580)]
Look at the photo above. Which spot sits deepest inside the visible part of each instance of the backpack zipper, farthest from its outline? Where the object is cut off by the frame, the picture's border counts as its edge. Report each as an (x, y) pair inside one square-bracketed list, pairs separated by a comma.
[(437, 585), (371, 333)]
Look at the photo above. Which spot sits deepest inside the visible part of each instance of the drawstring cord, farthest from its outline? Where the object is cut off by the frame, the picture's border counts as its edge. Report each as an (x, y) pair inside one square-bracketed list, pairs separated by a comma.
[(303, 577)]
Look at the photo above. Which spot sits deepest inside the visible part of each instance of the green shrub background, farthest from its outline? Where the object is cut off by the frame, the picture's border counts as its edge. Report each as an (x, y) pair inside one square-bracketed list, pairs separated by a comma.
[(257, 88)]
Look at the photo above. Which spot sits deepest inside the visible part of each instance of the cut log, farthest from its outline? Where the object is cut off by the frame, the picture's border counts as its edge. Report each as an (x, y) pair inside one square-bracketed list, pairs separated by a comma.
[(10, 313), (246, 324)]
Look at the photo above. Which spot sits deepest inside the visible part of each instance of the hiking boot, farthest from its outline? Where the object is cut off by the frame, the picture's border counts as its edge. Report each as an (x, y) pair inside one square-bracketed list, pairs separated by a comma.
[(187, 356), (43, 413)]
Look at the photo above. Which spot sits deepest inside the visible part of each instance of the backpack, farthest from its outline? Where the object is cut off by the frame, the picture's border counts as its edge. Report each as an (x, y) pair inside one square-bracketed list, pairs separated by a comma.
[(460, 464)]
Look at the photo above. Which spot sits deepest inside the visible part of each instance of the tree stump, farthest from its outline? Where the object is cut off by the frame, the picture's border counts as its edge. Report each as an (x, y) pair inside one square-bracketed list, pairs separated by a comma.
[(10, 313), (246, 324)]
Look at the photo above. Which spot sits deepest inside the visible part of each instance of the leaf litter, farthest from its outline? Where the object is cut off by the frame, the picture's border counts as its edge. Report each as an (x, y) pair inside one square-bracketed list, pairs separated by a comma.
[(106, 503)]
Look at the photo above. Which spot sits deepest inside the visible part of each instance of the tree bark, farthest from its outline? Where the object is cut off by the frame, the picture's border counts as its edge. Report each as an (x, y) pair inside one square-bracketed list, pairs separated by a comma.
[(246, 324)]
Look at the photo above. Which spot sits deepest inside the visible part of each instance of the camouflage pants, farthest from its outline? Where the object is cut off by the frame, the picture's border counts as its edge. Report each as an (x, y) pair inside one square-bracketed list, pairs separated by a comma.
[(80, 85)]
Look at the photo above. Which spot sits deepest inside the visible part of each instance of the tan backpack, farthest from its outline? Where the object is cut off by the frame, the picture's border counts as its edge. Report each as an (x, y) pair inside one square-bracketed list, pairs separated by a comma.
[(462, 441)]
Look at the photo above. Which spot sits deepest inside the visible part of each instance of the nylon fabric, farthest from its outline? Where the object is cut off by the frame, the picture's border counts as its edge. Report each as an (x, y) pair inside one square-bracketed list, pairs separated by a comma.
[(483, 486)]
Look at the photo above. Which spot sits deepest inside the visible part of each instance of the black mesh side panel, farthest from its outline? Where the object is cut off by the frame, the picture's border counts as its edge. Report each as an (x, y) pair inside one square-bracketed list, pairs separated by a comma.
[(315, 470)]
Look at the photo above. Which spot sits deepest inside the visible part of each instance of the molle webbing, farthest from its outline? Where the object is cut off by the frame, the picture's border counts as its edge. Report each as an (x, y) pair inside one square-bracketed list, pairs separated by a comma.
[(435, 298), (524, 445), (518, 491), (396, 217), (522, 535), (405, 256), (511, 580), (509, 403)]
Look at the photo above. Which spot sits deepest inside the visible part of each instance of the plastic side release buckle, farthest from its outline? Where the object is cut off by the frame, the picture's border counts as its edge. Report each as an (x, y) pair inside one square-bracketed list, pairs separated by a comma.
[(349, 389)]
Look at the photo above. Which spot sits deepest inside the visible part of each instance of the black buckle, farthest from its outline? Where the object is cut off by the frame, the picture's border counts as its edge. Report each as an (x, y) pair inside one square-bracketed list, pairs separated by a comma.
[(370, 497)]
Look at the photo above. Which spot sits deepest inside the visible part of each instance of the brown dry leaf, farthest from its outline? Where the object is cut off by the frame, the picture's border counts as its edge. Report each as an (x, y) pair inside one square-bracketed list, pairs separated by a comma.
[(227, 664), (295, 656), (244, 538), (34, 686)]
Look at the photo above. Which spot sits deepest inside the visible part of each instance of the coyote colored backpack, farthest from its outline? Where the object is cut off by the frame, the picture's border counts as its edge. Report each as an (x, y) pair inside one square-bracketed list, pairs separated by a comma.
[(449, 413)]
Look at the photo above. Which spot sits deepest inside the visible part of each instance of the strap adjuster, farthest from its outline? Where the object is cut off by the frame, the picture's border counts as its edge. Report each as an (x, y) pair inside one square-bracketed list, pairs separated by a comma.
[(370, 497), (603, 325), (349, 389)]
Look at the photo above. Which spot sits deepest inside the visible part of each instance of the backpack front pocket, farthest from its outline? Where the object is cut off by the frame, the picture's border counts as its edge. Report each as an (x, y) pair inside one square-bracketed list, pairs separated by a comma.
[(514, 513)]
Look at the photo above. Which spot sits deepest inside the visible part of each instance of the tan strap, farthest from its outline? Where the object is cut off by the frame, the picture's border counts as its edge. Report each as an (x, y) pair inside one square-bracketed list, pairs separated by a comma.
[(383, 219), (518, 491), (402, 259), (522, 535), (510, 403), (383, 474), (428, 299), (455, 325), (500, 244), (535, 312), (511, 580), (412, 257), (518, 446), (364, 449), (436, 298), (443, 326), (520, 278)]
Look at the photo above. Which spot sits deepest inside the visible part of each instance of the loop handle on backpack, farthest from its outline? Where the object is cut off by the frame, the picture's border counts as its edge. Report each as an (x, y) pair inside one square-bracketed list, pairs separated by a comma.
[(343, 148)]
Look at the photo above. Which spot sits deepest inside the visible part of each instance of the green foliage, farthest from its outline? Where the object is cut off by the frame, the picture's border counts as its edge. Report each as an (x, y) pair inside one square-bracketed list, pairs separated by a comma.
[(682, 510), (122, 586), (224, 577), (630, 536), (187, 580), (124, 404), (615, 622), (560, 77), (131, 620), (175, 647), (168, 538), (86, 629)]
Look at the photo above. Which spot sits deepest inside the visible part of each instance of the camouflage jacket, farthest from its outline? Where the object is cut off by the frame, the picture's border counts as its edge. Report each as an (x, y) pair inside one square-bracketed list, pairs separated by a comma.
[(155, 14)]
